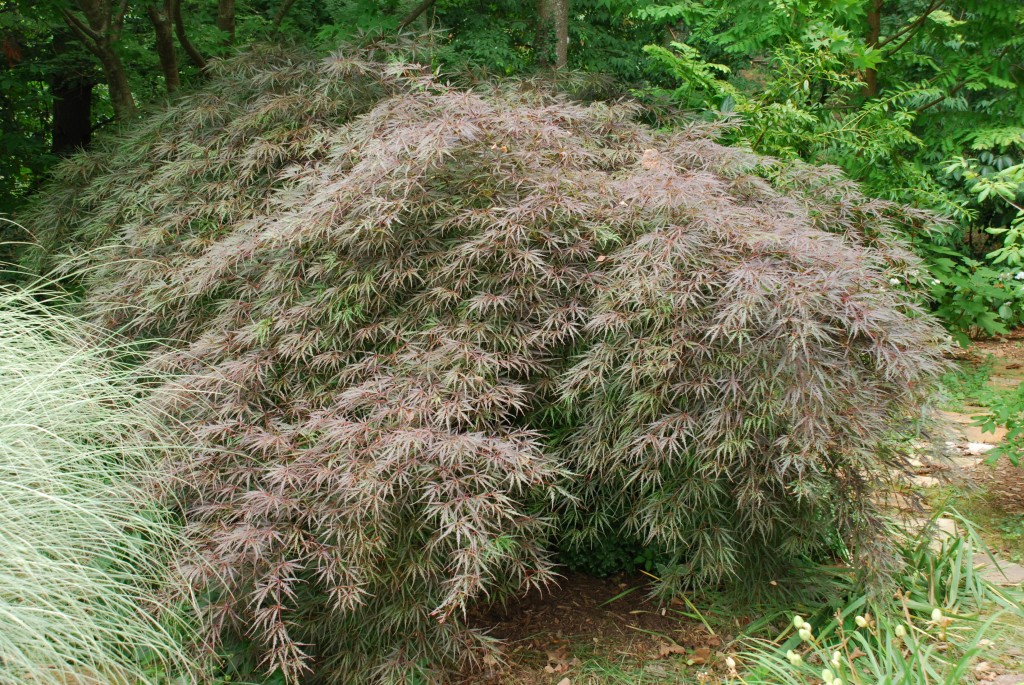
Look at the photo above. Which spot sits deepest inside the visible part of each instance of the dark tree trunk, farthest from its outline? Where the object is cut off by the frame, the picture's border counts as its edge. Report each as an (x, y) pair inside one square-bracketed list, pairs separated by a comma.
[(162, 28), (226, 19), (415, 13), (71, 88), (72, 114), (874, 32), (282, 11)]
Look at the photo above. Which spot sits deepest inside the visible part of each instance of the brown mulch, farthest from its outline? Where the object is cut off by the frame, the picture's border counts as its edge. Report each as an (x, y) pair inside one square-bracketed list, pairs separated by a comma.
[(1003, 484)]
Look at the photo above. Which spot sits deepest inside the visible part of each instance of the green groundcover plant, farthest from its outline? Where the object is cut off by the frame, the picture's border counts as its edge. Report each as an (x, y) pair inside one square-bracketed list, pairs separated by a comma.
[(84, 547), (930, 630), (430, 335)]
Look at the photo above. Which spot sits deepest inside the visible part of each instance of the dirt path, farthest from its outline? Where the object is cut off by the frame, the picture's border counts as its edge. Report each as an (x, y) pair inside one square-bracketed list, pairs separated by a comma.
[(959, 461)]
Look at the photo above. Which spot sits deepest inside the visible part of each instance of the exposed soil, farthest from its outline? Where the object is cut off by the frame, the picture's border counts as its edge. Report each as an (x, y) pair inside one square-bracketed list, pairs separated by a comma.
[(545, 634)]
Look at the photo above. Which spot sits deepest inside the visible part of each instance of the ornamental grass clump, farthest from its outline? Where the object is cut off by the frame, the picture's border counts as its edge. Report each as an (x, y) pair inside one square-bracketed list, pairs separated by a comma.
[(85, 548), (429, 335)]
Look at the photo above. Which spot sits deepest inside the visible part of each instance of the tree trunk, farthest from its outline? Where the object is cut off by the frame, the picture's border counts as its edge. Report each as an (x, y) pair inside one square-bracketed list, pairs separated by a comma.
[(552, 32), (99, 33), (226, 19), (165, 45), (561, 33), (414, 14), (117, 84), (282, 10), (72, 115), (71, 88), (179, 29), (874, 31)]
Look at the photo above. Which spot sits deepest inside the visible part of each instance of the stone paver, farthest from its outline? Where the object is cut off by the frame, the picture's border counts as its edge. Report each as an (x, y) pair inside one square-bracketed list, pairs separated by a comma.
[(962, 423), (1008, 679), (1007, 574)]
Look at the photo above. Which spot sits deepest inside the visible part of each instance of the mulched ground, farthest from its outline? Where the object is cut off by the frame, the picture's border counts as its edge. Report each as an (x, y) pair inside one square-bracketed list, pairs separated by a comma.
[(545, 634)]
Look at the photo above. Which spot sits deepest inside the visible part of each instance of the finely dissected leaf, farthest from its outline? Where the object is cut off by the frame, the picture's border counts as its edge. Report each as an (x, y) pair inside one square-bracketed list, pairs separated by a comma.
[(425, 331)]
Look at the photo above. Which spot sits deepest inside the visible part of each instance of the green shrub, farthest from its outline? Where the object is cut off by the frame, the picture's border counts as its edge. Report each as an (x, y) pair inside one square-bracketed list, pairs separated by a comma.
[(84, 548), (610, 555), (428, 334)]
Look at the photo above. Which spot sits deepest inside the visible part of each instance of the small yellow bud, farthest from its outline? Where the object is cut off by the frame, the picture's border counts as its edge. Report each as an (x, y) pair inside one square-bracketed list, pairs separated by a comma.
[(901, 631), (730, 663), (804, 634), (937, 615), (798, 622), (827, 676), (837, 659), (861, 621)]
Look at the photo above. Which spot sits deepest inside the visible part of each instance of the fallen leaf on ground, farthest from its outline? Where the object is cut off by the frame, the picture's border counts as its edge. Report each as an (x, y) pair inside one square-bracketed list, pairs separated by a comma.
[(559, 661), (700, 656)]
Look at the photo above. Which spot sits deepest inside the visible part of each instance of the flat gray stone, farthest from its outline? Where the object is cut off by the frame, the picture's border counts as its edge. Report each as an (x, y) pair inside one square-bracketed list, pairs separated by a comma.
[(943, 527), (1007, 574), (1008, 679)]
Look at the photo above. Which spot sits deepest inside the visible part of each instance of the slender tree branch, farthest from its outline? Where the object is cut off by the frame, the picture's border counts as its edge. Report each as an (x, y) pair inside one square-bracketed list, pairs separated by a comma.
[(179, 30), (911, 28), (118, 19), (281, 12), (80, 28), (953, 91), (415, 13), (960, 86)]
